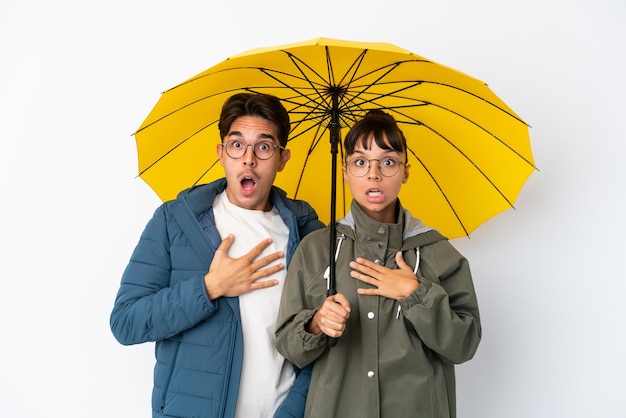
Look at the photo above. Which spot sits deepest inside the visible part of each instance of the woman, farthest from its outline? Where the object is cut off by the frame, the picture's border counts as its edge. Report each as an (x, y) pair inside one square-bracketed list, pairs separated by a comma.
[(405, 311)]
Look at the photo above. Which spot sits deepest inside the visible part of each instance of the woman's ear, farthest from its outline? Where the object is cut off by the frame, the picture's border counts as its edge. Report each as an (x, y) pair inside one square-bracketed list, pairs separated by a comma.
[(406, 173)]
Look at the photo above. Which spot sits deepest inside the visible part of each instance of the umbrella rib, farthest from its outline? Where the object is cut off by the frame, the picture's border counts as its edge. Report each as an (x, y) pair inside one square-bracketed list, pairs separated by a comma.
[(329, 66), (266, 71), (191, 103), (299, 64), (482, 173), (395, 109), (347, 113), (353, 69), (418, 82), (350, 73), (195, 183), (491, 134), (372, 84), (298, 123), (316, 139), (313, 111), (331, 83), (445, 196), (291, 87), (392, 66), (168, 152)]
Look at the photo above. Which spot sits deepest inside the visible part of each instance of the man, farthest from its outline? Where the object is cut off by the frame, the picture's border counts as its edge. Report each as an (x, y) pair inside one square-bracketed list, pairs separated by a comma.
[(199, 286)]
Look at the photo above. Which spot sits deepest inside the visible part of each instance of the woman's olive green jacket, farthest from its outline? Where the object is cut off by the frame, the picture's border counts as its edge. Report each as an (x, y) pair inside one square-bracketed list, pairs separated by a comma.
[(396, 358)]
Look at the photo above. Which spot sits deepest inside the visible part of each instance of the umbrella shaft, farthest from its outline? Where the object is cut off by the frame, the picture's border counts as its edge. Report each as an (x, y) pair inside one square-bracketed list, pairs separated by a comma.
[(335, 138)]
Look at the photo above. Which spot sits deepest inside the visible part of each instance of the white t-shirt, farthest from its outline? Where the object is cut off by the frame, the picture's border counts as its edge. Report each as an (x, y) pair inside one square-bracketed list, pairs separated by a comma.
[(266, 376)]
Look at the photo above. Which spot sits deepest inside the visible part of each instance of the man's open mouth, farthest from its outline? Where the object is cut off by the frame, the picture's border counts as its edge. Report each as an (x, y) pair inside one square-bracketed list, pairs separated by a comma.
[(247, 183)]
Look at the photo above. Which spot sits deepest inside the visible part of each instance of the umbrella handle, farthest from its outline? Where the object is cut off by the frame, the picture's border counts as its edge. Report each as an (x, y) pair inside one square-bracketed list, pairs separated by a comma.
[(332, 341)]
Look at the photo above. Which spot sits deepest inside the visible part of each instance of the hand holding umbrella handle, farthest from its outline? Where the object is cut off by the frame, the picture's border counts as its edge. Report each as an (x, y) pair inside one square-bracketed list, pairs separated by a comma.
[(332, 341)]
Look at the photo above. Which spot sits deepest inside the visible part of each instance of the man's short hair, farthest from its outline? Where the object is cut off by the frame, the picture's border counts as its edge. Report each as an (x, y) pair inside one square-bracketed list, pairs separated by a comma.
[(255, 104)]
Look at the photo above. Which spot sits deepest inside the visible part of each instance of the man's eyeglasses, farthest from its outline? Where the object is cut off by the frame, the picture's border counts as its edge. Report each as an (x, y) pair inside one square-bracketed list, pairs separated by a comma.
[(263, 150), (388, 167)]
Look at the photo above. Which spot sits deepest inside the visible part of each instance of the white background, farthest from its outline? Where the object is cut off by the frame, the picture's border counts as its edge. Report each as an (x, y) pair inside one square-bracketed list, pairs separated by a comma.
[(77, 78)]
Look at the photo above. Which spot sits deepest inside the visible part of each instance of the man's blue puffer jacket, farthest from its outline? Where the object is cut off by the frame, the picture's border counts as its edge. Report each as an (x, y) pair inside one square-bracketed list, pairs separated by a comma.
[(162, 298)]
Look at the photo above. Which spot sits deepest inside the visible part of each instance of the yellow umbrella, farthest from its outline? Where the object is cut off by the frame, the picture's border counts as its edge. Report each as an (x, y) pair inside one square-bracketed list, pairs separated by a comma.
[(469, 152)]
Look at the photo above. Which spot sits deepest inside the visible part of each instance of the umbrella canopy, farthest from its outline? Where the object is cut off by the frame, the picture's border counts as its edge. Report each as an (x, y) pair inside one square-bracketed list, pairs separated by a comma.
[(469, 152)]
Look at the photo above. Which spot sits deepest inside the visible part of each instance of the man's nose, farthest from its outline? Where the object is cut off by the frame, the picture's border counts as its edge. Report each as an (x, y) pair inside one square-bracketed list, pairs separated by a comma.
[(248, 156)]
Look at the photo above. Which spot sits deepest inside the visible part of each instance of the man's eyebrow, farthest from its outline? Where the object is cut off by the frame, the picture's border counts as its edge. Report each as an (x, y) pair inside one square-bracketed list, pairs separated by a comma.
[(261, 136), (234, 133)]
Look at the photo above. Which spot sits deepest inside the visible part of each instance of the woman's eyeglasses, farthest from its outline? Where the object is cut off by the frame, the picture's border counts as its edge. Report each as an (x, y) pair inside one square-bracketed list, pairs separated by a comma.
[(388, 166)]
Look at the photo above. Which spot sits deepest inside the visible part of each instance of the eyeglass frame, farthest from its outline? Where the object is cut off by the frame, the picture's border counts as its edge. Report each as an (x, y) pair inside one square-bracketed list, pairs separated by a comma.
[(369, 164), (253, 145)]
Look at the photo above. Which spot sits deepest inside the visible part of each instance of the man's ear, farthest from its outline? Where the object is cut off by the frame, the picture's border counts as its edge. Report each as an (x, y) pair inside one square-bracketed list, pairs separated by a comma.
[(219, 149), (285, 155)]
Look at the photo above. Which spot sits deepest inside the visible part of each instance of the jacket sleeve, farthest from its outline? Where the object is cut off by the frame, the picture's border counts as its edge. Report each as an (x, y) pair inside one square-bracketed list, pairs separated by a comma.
[(294, 404), (444, 308), (147, 306), (300, 299)]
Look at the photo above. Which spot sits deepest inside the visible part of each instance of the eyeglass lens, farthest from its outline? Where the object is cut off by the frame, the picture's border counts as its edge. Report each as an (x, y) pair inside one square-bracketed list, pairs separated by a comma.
[(263, 150), (388, 166)]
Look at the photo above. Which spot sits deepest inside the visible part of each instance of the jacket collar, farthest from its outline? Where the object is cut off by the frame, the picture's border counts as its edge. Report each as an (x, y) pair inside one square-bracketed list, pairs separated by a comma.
[(200, 198), (415, 233)]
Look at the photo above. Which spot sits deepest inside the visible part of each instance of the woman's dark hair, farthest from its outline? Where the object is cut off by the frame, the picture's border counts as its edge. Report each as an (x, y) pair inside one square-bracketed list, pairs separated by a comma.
[(375, 124), (253, 104)]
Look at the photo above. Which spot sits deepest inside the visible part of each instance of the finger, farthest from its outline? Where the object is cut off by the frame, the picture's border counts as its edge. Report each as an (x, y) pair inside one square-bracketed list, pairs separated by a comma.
[(365, 262), (226, 244), (341, 300), (364, 278), (261, 273), (363, 291), (258, 249), (365, 266), (263, 284), (332, 324), (266, 260), (331, 329), (400, 261)]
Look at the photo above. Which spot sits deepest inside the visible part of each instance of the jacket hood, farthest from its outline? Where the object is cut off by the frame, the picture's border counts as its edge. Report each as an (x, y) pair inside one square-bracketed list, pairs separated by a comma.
[(415, 233)]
